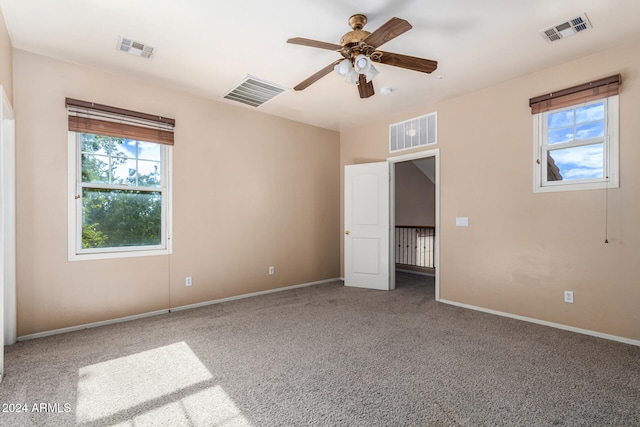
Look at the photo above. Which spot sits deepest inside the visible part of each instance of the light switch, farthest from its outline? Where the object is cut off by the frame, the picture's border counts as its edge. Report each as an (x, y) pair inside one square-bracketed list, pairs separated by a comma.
[(462, 222)]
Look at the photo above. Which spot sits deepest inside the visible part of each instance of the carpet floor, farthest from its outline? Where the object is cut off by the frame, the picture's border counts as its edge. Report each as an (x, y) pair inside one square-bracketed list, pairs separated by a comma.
[(325, 355)]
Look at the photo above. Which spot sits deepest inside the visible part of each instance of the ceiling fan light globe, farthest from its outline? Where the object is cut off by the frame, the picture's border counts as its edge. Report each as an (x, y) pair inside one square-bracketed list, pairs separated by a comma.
[(361, 64), (371, 73), (342, 68), (352, 77)]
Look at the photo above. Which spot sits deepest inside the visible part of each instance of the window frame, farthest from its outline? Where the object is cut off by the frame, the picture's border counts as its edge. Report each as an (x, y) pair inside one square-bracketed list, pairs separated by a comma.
[(75, 186), (611, 150)]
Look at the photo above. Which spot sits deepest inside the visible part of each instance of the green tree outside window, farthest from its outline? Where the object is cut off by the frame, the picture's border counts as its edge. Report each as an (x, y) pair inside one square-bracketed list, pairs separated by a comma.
[(122, 194)]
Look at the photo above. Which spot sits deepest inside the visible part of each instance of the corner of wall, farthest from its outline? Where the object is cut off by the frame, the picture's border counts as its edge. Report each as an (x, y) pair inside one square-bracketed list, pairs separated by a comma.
[(6, 59)]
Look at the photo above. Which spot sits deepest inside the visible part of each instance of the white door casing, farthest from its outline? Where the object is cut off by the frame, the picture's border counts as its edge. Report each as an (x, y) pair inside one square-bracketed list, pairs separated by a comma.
[(367, 225), (435, 153), (7, 228)]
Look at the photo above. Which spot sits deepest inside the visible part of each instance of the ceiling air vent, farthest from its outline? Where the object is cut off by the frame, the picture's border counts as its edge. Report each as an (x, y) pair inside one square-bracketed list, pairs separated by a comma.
[(126, 45), (254, 92), (566, 29)]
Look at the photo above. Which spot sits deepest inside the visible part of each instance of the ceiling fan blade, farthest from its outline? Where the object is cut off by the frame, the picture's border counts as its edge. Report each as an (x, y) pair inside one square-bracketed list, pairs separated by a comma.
[(408, 62), (389, 31), (317, 76), (365, 88), (314, 43)]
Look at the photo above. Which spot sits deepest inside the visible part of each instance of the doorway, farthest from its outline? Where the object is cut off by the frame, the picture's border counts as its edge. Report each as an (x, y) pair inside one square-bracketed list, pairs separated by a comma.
[(369, 221), (418, 218)]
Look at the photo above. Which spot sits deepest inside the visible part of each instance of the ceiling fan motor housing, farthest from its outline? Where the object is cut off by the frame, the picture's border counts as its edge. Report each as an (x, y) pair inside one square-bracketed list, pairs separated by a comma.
[(354, 37)]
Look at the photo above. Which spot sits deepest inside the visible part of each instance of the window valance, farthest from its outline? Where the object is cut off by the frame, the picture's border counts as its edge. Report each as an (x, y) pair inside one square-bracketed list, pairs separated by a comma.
[(89, 117), (586, 92)]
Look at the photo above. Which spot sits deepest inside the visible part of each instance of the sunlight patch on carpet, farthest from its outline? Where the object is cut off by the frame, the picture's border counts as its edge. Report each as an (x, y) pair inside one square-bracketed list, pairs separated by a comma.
[(210, 407), (166, 384)]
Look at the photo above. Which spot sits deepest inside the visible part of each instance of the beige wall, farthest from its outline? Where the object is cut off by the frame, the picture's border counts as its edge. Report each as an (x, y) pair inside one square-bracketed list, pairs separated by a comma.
[(522, 250), (415, 196), (249, 191), (6, 60)]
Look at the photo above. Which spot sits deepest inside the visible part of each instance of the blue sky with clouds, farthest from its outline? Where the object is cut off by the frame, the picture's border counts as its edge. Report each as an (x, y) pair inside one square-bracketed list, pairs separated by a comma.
[(584, 123)]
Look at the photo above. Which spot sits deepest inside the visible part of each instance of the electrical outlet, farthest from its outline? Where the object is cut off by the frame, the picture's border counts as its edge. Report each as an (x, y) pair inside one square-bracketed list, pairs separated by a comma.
[(188, 281), (568, 297), (272, 270)]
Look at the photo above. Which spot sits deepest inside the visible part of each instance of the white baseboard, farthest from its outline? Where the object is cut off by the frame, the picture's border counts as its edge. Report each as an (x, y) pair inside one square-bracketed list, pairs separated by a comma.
[(544, 323), (253, 294), (91, 325), (165, 311)]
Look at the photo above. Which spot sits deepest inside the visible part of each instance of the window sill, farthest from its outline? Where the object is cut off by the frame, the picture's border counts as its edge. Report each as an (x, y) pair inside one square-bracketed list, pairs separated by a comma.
[(120, 254), (575, 187)]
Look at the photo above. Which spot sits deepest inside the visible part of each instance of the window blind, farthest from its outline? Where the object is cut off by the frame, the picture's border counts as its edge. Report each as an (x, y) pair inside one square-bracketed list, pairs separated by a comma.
[(586, 92), (89, 117)]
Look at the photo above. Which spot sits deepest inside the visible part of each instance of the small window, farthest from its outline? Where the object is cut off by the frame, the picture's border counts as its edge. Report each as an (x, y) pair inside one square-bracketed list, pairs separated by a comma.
[(119, 189), (576, 146)]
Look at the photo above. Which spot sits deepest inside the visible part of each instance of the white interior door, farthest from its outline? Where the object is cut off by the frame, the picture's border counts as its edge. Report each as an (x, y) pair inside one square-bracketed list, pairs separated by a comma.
[(366, 222)]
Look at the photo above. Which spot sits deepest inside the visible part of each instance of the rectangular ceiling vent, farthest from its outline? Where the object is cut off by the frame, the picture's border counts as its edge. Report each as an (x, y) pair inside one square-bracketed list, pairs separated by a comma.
[(413, 133), (141, 50), (254, 92), (566, 29)]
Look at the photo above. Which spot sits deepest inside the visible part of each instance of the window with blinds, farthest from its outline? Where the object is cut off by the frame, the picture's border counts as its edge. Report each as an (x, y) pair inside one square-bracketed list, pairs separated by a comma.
[(576, 137), (120, 180)]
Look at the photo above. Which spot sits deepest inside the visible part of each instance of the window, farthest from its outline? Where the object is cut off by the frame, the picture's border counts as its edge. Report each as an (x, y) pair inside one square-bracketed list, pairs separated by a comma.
[(576, 140), (120, 190)]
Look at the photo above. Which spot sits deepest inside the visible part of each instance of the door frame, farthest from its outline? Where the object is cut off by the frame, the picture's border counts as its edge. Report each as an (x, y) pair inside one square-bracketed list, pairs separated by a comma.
[(435, 153), (7, 228)]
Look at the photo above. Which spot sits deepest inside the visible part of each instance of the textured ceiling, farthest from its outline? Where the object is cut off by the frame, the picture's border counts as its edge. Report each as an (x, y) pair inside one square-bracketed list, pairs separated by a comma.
[(206, 47)]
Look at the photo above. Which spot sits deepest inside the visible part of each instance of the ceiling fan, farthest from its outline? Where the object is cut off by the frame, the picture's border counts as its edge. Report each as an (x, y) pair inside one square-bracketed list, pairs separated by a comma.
[(359, 49)]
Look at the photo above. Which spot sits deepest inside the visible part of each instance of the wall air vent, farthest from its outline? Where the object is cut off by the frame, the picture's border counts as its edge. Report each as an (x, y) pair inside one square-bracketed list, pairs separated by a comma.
[(413, 133), (254, 92), (566, 29), (141, 50)]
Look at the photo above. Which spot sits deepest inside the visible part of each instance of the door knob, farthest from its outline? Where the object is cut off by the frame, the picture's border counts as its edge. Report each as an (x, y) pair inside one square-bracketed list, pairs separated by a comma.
[(347, 232)]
